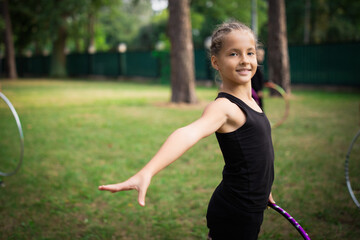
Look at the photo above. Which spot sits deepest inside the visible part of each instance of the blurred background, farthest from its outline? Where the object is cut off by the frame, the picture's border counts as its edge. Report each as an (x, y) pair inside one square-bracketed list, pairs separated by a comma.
[(130, 38), (91, 81)]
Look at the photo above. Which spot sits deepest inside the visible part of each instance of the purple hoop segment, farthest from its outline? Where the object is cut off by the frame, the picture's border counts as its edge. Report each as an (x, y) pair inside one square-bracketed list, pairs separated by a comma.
[(290, 219)]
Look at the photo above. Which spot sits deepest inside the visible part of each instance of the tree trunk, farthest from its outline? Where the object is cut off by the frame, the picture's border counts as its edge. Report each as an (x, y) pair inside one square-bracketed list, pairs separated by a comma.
[(278, 56), (58, 57), (182, 53), (9, 44)]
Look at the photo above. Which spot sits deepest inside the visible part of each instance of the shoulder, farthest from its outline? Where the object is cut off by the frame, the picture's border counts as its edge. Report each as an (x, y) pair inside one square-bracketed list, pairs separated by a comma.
[(224, 107), (234, 115), (220, 105)]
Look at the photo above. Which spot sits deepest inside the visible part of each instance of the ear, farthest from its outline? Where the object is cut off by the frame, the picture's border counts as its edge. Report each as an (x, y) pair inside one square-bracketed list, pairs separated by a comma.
[(214, 63)]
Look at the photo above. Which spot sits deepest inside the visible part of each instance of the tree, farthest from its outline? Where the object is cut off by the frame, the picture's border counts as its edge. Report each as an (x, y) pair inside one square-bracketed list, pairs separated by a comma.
[(307, 21), (64, 11), (217, 11), (51, 23), (322, 21), (9, 44), (30, 21), (58, 57), (182, 55), (126, 22), (278, 56)]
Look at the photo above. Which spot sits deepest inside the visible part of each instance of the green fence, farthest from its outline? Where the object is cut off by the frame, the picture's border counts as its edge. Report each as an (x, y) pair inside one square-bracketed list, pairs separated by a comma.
[(78, 64), (113, 64), (332, 64), (34, 66)]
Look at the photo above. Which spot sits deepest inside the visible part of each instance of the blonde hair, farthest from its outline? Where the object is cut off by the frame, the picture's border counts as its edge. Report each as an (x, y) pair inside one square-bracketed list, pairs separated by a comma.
[(222, 30)]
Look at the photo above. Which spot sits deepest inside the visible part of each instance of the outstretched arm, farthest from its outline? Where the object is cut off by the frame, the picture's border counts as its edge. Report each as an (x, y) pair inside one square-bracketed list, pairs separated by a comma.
[(213, 117)]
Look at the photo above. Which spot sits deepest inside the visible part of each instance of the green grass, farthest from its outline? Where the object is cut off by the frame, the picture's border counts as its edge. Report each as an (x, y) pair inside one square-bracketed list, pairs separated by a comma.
[(81, 134)]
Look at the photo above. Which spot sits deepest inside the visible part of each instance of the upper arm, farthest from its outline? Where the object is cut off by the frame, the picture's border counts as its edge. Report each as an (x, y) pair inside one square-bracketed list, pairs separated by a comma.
[(214, 117)]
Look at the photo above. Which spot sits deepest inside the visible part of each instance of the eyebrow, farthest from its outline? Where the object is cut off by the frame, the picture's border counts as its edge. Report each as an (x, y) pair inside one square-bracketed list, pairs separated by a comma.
[(238, 50)]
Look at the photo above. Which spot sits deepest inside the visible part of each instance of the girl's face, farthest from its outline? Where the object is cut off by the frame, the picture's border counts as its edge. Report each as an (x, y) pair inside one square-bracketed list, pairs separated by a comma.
[(236, 61)]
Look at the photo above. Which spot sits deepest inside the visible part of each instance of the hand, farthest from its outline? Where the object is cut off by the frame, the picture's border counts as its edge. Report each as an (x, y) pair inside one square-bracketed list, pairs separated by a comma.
[(139, 182), (271, 200)]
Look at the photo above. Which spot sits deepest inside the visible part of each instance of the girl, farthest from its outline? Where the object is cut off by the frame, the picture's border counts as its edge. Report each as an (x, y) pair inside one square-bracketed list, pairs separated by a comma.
[(236, 208)]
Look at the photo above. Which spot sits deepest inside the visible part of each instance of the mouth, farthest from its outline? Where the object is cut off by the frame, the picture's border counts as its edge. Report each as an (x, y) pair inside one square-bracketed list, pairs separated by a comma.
[(243, 71)]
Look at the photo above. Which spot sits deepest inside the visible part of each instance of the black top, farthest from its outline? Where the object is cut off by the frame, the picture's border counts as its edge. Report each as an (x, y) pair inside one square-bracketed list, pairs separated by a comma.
[(248, 153)]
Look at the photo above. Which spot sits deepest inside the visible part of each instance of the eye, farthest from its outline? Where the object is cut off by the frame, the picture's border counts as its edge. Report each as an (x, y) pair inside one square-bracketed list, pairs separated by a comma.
[(251, 53), (233, 54)]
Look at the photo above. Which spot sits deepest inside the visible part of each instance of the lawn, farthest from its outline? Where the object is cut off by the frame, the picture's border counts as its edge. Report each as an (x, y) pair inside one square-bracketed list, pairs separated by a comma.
[(81, 134)]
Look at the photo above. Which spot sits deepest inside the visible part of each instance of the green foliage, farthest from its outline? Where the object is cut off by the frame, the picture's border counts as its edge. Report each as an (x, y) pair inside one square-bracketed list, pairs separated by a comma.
[(28, 23), (80, 134), (35, 22), (122, 23), (152, 33), (330, 21), (197, 22), (217, 11)]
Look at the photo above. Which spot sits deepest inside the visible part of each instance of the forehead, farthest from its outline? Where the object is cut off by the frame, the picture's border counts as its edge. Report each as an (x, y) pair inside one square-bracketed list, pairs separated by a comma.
[(239, 39)]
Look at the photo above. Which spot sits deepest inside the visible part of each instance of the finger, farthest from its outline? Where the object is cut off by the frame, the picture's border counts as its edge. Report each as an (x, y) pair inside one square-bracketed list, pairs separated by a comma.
[(107, 187), (115, 187), (141, 197), (271, 199)]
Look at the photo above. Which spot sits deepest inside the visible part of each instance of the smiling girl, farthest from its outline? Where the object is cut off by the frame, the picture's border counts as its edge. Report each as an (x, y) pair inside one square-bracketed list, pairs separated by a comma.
[(235, 210)]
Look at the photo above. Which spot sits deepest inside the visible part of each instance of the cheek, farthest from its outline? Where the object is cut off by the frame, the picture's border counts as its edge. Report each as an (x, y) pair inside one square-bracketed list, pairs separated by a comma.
[(254, 61), (254, 64), (254, 69)]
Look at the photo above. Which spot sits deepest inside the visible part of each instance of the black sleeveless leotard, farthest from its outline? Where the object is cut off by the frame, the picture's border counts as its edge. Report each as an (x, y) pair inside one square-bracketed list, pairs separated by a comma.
[(248, 175)]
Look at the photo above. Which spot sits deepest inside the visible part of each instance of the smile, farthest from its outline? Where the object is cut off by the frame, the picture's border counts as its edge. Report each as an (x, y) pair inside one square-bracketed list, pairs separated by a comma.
[(243, 71)]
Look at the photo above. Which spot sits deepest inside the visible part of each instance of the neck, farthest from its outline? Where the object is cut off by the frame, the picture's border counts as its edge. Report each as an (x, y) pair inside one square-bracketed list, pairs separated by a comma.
[(239, 91)]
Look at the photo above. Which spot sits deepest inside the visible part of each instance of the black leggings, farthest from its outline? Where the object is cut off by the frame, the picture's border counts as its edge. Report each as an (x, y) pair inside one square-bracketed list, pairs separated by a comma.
[(245, 228), (225, 221)]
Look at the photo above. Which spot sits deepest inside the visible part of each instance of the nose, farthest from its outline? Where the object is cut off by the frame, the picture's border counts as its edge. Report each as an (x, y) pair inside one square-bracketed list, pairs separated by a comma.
[(244, 59)]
